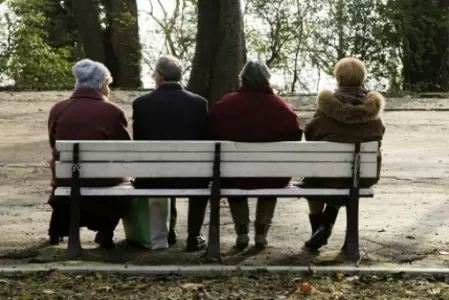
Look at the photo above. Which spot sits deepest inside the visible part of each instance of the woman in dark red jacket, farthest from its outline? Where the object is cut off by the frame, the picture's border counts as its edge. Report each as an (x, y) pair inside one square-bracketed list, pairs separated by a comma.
[(254, 114), (87, 115)]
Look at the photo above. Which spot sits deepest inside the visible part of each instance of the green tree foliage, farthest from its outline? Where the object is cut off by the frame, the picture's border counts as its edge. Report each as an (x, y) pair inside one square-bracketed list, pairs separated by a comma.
[(29, 56), (420, 30)]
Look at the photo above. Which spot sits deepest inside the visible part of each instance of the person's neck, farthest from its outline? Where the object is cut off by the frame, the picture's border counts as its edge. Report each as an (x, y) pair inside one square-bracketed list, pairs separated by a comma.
[(168, 82)]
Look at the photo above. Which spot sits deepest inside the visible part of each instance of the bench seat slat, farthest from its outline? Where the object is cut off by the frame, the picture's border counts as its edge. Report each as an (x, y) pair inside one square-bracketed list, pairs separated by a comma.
[(123, 156), (208, 146), (129, 191), (204, 169)]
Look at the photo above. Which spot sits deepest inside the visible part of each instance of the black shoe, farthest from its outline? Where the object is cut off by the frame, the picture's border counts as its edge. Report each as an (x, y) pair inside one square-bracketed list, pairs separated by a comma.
[(172, 236), (104, 239), (196, 243), (54, 240), (315, 221), (320, 237)]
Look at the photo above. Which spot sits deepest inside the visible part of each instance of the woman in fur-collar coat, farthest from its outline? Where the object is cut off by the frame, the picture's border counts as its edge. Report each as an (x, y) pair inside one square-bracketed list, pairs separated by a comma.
[(349, 115)]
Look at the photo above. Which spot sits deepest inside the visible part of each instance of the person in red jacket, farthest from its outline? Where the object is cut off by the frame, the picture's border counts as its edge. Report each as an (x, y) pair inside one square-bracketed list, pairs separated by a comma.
[(87, 115), (254, 114)]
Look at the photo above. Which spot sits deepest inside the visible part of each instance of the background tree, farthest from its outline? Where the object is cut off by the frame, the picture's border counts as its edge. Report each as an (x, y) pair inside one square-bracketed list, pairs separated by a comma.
[(45, 38), (423, 28), (220, 49), (177, 28)]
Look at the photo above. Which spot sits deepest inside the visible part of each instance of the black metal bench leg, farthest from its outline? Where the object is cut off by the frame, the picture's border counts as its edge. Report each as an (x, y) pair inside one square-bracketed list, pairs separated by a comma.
[(213, 249), (351, 246), (74, 245)]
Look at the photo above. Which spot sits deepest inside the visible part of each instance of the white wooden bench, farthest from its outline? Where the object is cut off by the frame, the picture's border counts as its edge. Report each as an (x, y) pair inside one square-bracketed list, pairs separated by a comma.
[(215, 160)]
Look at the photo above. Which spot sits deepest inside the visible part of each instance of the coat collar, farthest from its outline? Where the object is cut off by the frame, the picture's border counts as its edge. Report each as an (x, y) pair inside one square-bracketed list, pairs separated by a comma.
[(256, 89), (88, 93), (171, 86), (371, 108)]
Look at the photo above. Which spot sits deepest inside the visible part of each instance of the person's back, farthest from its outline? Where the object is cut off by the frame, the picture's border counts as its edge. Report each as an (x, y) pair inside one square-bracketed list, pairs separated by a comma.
[(172, 113), (169, 113), (254, 114)]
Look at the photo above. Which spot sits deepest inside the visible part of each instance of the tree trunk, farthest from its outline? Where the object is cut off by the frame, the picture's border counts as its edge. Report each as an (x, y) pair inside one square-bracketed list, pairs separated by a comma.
[(89, 28), (125, 42), (220, 50), (425, 47)]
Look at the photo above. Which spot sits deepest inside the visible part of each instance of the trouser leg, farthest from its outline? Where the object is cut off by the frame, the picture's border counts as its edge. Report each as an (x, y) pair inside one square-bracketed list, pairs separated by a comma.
[(197, 211), (240, 215), (264, 215), (173, 234)]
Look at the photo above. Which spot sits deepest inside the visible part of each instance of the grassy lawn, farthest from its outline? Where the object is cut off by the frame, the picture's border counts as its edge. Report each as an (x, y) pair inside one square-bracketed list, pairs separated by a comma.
[(224, 286)]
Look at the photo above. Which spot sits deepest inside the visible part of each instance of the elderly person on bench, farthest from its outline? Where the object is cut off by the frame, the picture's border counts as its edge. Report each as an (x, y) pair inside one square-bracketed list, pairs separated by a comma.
[(351, 114), (174, 114), (87, 115), (254, 114)]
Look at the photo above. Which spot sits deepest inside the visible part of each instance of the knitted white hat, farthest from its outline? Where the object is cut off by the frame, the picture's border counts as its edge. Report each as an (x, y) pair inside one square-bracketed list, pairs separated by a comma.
[(90, 74)]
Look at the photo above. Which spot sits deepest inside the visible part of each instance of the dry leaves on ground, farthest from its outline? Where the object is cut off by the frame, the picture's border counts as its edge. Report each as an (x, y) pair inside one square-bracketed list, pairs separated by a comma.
[(193, 286), (305, 288)]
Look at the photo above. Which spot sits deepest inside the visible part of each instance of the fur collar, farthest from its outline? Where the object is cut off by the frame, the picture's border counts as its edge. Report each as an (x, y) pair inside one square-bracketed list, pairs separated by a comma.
[(371, 109)]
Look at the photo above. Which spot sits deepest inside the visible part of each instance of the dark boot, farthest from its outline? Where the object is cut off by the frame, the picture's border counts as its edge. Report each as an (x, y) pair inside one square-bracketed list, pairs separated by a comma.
[(315, 221), (324, 231), (173, 233), (240, 215), (264, 215), (104, 239), (197, 210)]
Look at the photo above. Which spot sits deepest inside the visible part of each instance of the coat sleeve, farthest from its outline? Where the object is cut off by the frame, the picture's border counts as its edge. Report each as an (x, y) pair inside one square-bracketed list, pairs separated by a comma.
[(136, 127), (203, 122), (294, 130), (120, 132)]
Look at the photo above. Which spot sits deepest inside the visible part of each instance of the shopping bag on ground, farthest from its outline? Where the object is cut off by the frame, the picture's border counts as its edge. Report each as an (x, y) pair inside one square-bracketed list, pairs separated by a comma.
[(147, 222)]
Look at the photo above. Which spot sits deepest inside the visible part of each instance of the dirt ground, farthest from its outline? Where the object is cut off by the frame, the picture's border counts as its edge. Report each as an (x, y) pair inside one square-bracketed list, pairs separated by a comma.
[(405, 224)]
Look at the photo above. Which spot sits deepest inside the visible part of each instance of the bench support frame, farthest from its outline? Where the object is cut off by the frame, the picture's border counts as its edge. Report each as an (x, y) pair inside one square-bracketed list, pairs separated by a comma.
[(213, 250), (351, 245), (74, 246)]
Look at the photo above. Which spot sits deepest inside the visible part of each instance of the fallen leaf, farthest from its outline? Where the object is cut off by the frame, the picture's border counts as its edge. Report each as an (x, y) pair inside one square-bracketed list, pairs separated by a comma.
[(444, 253), (338, 295), (193, 286), (382, 230), (352, 279), (340, 276), (410, 237), (435, 291), (305, 288), (297, 279), (49, 292), (106, 288)]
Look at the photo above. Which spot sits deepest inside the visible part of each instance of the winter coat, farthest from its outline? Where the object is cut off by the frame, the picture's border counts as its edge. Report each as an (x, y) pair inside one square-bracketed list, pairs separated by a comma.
[(346, 120), (170, 113), (254, 114), (87, 115)]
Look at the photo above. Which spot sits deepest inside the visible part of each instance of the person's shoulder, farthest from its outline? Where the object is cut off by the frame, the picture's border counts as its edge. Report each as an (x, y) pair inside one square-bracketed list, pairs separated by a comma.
[(59, 105), (112, 108), (144, 97), (194, 97)]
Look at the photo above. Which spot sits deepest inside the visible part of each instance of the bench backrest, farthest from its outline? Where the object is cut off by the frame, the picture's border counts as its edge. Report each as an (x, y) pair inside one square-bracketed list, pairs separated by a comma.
[(110, 159)]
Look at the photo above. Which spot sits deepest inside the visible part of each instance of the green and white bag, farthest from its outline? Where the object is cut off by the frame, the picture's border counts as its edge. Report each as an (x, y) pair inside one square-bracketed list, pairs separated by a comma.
[(147, 222)]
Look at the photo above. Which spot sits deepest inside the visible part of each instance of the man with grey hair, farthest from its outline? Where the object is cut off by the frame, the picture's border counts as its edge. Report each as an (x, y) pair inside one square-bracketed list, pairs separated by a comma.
[(172, 113), (254, 114)]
